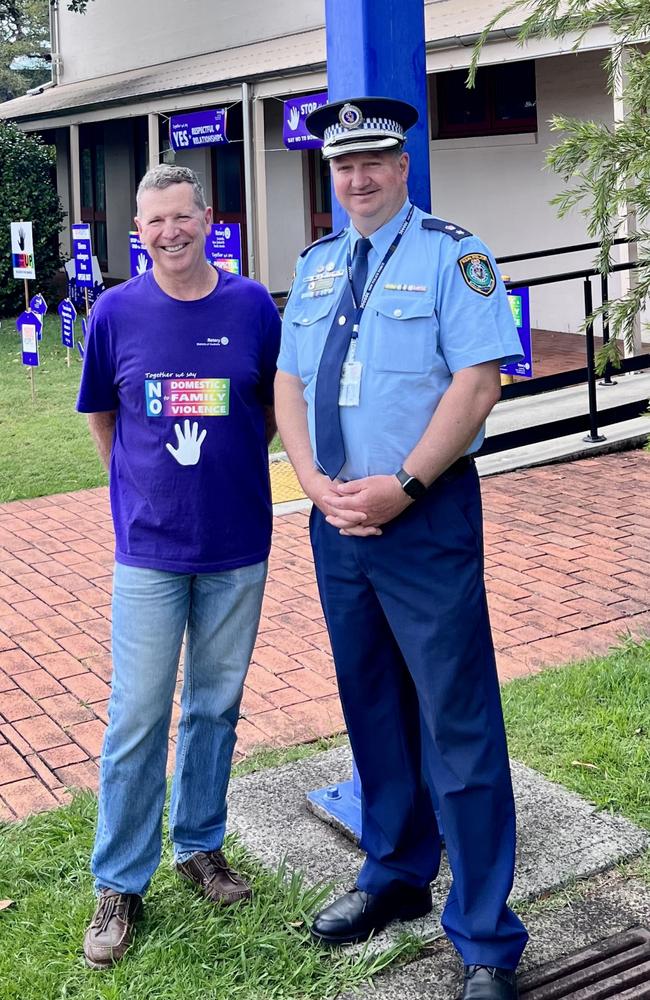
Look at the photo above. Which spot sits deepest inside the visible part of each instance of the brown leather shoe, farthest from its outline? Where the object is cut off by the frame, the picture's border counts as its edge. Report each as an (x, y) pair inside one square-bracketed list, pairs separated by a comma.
[(210, 872), (111, 930)]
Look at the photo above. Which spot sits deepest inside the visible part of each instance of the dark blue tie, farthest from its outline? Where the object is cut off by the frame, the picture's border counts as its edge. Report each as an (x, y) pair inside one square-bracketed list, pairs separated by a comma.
[(360, 268), (330, 451)]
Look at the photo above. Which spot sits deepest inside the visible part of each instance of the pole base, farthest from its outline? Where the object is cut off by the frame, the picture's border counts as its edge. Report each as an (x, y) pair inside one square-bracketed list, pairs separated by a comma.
[(593, 438), (338, 806)]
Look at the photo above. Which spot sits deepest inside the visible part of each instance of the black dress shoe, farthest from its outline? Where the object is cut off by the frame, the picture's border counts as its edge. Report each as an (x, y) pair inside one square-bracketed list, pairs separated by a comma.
[(485, 982), (357, 914)]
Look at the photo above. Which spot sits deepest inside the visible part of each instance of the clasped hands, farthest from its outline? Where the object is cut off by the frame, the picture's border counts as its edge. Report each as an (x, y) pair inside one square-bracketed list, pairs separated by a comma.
[(360, 506)]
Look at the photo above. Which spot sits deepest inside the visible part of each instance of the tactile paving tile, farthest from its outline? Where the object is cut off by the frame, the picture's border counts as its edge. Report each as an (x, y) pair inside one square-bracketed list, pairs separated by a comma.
[(284, 483)]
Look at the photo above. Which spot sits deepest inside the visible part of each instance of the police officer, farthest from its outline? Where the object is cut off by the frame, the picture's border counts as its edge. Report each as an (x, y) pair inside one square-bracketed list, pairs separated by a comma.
[(392, 340)]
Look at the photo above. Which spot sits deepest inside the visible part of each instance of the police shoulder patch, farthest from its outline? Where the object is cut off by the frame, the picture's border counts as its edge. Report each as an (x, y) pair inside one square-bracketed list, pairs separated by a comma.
[(478, 273), (449, 228), (323, 239)]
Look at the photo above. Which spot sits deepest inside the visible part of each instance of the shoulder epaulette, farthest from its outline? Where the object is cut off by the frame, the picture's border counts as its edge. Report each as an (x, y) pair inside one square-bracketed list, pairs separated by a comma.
[(446, 227), (323, 239)]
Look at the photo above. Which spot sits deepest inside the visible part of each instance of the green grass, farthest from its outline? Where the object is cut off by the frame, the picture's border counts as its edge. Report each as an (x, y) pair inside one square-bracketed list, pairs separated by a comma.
[(46, 447), (588, 727), (185, 947)]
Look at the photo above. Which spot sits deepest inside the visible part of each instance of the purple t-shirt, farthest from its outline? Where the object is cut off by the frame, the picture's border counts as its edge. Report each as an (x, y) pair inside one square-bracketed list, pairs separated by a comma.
[(189, 478)]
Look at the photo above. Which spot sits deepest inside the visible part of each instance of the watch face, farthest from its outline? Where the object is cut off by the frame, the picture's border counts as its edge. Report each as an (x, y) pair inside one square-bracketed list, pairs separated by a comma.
[(411, 486), (414, 488)]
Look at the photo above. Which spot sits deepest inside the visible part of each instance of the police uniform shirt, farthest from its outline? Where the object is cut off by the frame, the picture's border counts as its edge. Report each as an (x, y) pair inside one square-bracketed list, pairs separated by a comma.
[(438, 306)]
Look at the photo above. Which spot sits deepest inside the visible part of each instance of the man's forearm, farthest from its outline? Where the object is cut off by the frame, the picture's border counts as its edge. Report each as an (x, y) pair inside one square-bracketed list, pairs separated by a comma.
[(102, 430), (457, 420)]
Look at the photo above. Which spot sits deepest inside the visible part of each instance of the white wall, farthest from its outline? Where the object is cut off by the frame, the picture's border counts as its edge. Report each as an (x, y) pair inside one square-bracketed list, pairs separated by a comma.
[(287, 197), (118, 35), (500, 188)]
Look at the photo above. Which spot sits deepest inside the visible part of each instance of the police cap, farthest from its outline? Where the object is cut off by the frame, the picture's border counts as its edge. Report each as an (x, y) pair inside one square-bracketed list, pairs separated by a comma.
[(360, 124)]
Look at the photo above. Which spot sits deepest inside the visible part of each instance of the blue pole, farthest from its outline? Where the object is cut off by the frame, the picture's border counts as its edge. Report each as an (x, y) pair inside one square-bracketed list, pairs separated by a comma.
[(375, 48)]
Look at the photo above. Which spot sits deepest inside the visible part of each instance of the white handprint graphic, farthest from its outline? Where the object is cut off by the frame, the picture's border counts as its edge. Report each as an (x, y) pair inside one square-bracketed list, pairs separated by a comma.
[(141, 263), (188, 451), (294, 118)]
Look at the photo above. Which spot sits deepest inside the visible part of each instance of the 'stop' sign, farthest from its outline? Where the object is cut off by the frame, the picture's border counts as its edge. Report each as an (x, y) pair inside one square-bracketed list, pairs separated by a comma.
[(294, 132), (203, 128)]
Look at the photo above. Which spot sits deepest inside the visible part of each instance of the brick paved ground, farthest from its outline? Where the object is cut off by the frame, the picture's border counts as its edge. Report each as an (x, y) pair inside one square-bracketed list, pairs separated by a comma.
[(567, 565)]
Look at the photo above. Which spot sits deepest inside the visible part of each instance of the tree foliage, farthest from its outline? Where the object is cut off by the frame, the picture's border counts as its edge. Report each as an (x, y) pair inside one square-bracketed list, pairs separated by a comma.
[(24, 31), (28, 38), (606, 167), (27, 191)]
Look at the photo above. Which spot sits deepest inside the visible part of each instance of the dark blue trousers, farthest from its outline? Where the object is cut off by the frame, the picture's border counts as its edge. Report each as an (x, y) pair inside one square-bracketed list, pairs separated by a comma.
[(408, 622)]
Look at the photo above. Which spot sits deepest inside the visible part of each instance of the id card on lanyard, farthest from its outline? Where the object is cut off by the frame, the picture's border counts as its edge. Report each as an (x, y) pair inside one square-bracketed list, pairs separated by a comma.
[(350, 385)]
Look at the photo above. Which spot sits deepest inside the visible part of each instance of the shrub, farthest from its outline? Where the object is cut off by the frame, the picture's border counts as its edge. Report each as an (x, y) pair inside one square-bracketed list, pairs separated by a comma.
[(27, 191)]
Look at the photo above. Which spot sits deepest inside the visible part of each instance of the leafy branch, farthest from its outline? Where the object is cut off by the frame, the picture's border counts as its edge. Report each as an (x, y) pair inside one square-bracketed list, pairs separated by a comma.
[(606, 167)]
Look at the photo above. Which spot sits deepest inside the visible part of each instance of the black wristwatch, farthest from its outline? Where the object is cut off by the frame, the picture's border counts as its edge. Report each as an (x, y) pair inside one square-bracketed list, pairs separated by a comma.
[(411, 486)]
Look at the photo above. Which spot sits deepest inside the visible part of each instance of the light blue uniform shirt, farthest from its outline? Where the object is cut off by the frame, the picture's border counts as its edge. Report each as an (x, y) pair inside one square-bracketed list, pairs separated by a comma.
[(423, 322)]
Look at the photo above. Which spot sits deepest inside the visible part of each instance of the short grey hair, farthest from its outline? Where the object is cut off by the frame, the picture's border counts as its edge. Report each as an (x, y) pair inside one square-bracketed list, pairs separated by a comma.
[(166, 174)]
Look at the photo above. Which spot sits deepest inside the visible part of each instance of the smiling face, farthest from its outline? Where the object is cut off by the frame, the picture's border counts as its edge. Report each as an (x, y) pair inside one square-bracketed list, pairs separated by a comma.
[(370, 186), (173, 229)]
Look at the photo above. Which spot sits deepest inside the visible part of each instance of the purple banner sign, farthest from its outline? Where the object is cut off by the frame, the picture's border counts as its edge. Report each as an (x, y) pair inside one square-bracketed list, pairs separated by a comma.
[(223, 246), (140, 259), (202, 128), (83, 254), (520, 304), (68, 315), (29, 326), (294, 132)]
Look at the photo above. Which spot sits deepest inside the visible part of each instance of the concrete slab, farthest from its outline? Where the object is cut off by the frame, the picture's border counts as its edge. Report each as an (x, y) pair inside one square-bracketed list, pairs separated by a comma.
[(561, 836), (606, 905)]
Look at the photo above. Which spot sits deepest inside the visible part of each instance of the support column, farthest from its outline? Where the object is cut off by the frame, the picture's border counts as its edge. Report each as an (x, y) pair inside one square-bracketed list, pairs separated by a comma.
[(628, 253), (75, 175), (377, 50), (249, 167), (154, 139), (261, 201)]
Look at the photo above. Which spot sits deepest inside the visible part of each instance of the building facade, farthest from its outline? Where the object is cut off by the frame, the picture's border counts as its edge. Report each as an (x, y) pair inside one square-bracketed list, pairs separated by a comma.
[(124, 69)]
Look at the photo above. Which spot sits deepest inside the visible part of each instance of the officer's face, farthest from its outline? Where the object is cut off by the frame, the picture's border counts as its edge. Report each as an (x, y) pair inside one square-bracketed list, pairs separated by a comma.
[(370, 186), (173, 229)]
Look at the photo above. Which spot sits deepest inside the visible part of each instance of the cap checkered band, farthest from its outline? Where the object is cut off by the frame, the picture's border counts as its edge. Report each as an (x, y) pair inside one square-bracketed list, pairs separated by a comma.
[(369, 126)]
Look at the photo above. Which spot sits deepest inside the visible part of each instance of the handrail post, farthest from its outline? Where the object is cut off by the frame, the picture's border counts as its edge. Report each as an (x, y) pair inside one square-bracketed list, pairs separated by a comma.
[(593, 436), (604, 298)]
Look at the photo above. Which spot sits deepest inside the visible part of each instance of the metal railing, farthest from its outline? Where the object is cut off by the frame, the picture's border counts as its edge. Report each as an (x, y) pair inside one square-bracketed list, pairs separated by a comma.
[(591, 420)]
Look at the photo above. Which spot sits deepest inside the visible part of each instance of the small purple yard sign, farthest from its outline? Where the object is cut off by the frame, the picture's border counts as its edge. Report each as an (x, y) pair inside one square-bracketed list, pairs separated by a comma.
[(29, 326)]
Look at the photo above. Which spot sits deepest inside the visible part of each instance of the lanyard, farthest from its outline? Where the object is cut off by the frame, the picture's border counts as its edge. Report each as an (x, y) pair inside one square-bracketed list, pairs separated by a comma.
[(376, 276)]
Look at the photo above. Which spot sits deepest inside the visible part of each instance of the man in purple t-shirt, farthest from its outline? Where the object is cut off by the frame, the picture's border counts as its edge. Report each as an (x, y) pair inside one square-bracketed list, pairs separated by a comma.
[(178, 387)]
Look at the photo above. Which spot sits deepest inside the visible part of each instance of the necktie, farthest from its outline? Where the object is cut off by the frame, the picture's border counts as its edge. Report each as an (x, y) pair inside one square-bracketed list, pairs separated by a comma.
[(330, 451), (360, 268)]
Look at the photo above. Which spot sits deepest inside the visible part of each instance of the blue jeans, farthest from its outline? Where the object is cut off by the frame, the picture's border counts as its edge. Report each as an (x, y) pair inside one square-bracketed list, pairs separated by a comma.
[(151, 612)]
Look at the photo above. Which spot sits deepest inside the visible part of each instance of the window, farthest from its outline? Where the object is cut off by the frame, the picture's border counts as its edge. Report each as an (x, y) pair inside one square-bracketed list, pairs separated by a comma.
[(502, 101), (320, 195), (93, 188)]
